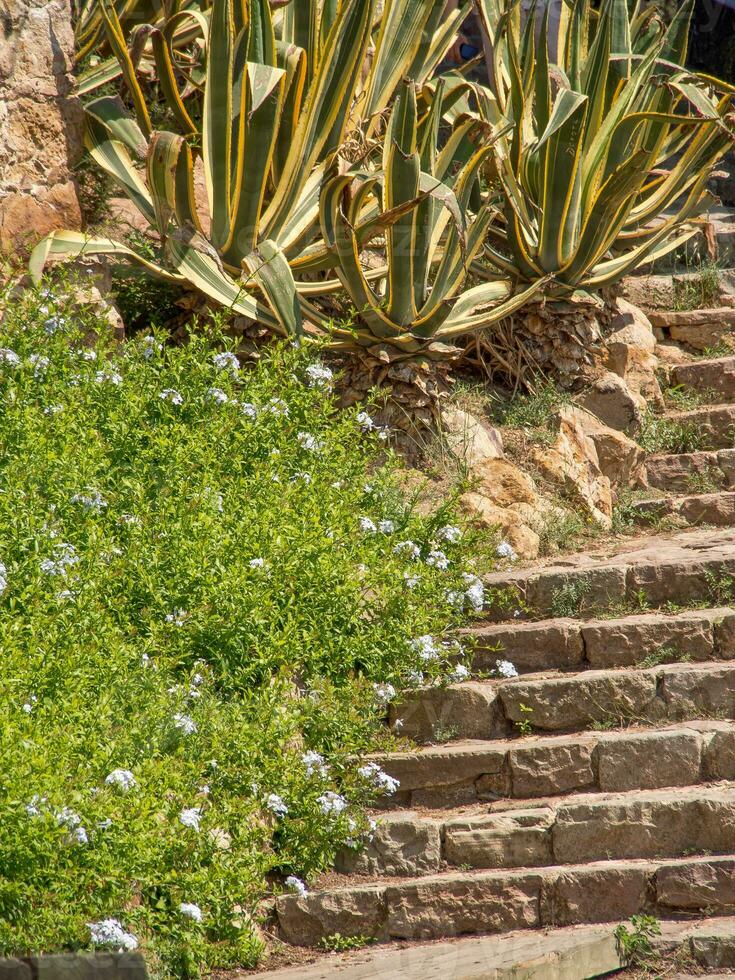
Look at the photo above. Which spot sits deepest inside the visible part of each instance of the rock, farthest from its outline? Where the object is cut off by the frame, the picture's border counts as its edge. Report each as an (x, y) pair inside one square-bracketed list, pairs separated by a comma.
[(626, 642), (504, 484), (88, 296), (468, 439), (671, 355), (553, 768), (709, 884), (629, 327), (468, 710), (40, 123), (529, 646), (572, 461), (719, 755), (630, 352), (612, 893), (650, 760), (610, 399), (521, 839), (403, 844), (356, 911), (649, 292), (522, 538), (689, 691), (698, 329), (450, 905), (621, 459)]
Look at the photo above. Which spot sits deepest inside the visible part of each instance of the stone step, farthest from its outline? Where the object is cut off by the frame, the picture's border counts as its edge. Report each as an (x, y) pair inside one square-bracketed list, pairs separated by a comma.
[(715, 377), (568, 702), (687, 472), (574, 644), (685, 568), (574, 953), (664, 823), (461, 902), (460, 773), (713, 509), (714, 423)]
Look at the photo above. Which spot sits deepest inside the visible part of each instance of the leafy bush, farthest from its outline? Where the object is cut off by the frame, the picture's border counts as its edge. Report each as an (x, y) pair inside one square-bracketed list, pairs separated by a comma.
[(209, 592)]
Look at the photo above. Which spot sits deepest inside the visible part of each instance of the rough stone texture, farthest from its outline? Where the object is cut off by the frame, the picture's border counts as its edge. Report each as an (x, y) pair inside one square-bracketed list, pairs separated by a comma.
[(698, 329), (402, 845), (648, 761), (598, 587), (96, 966), (546, 770), (572, 461), (521, 839), (355, 911), (468, 439), (462, 710), (713, 509), (692, 691), (529, 646), (715, 423), (673, 473), (595, 894), (13, 969), (630, 351), (719, 755), (450, 905), (708, 883), (716, 376), (663, 824), (561, 704), (439, 766), (628, 641), (40, 122), (620, 458), (610, 399), (484, 513)]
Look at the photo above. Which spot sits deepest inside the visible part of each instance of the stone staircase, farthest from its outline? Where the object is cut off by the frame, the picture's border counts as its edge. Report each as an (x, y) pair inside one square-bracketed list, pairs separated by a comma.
[(678, 475), (597, 784)]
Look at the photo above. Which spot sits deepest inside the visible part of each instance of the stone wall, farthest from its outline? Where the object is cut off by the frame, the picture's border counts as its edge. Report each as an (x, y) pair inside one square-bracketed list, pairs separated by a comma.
[(40, 122)]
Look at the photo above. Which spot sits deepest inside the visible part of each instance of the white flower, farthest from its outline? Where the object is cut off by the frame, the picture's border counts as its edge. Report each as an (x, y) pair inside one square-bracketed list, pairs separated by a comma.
[(88, 355), (460, 673), (79, 834), (109, 932), (216, 395), (366, 423), (191, 817), (3, 578), (40, 364), (475, 593), (384, 693), (505, 550), (65, 557), (296, 885), (309, 442), (34, 807), (318, 376), (383, 433), (249, 410), (426, 647), (301, 475), (177, 617), (437, 559), (411, 580), (171, 395), (111, 377), (277, 407), (455, 598), (8, 356), (53, 409), (150, 346), (372, 772), (130, 519), (191, 911), (104, 824), (30, 704), (68, 818), (505, 668), (386, 527), (276, 805), (330, 802), (408, 548), (185, 724), (367, 525), (92, 500), (53, 324), (226, 361), (123, 778), (450, 533), (257, 563), (314, 763)]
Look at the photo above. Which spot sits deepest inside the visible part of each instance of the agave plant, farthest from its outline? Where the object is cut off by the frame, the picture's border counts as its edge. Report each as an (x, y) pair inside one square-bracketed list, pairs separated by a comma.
[(416, 300), (611, 148), (274, 109)]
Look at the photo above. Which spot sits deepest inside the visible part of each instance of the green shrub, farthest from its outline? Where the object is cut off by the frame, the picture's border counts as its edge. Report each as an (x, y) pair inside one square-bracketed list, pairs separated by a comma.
[(202, 582)]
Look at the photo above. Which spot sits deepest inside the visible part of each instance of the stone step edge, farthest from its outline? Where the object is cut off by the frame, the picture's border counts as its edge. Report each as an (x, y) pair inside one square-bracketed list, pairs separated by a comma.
[(568, 643), (81, 966), (664, 823), (571, 953), (567, 702), (475, 771), (715, 509), (686, 579), (456, 903)]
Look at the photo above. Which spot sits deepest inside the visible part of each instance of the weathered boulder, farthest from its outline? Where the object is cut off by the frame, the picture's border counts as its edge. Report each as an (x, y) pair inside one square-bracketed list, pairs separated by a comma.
[(40, 122), (630, 352), (573, 462), (612, 401), (468, 439), (621, 459)]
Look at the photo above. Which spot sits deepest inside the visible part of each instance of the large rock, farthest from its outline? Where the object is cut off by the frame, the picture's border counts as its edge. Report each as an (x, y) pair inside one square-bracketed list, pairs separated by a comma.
[(521, 839), (610, 399), (698, 329), (572, 461), (402, 845), (40, 122), (630, 352), (482, 512), (621, 459), (468, 439)]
